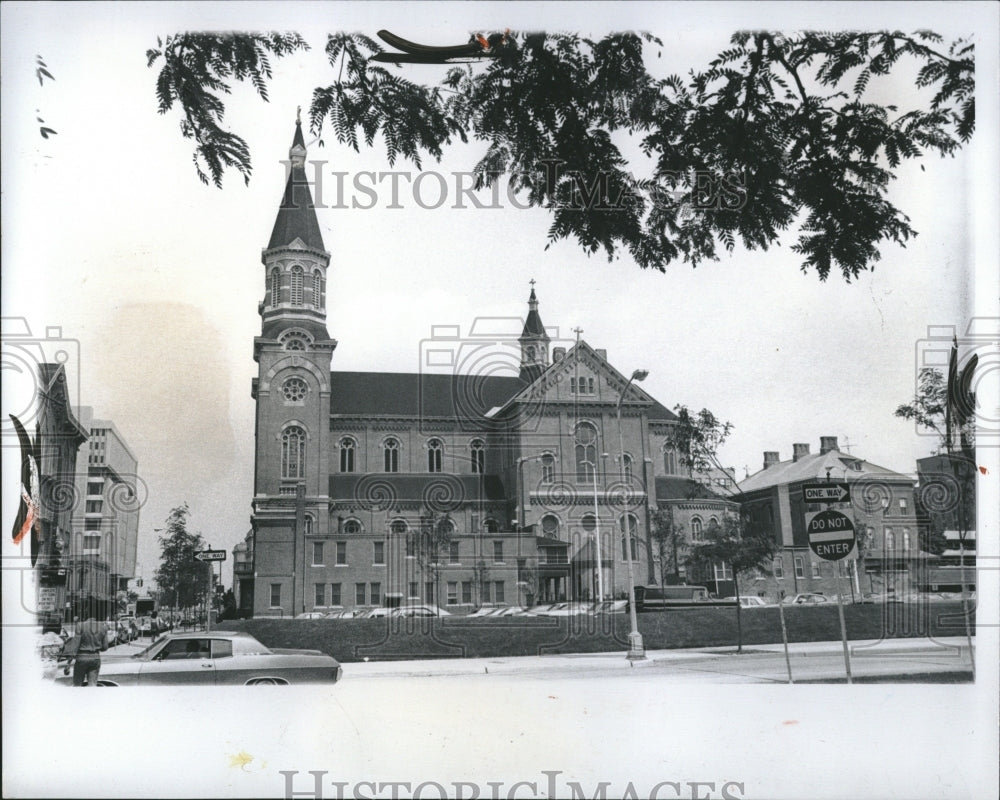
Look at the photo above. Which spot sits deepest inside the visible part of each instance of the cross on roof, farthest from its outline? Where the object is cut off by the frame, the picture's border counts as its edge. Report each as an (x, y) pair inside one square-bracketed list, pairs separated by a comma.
[(532, 282)]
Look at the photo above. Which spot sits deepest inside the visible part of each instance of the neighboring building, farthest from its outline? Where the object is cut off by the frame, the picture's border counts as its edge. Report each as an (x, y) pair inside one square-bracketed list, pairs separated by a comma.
[(59, 436), (510, 469), (882, 507), (946, 500), (695, 510), (102, 551)]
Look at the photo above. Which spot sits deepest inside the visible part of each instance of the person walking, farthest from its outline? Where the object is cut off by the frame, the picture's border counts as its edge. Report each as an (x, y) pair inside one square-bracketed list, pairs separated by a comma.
[(92, 639)]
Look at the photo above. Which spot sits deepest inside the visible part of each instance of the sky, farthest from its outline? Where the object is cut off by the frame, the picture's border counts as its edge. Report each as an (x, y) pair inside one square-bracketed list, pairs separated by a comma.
[(153, 279), (157, 277)]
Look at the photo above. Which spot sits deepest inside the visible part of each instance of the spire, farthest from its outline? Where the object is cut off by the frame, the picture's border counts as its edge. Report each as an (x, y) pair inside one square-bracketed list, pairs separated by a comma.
[(297, 215), (533, 327), (534, 341)]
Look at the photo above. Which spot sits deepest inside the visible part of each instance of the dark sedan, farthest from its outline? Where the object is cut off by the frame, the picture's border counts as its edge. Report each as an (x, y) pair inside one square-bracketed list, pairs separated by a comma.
[(220, 657)]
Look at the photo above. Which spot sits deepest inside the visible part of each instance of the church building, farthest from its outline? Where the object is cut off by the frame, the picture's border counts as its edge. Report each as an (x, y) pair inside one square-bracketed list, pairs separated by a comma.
[(483, 486)]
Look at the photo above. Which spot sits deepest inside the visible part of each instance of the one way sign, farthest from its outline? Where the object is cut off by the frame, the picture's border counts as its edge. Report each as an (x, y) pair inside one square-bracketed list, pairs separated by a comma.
[(826, 492)]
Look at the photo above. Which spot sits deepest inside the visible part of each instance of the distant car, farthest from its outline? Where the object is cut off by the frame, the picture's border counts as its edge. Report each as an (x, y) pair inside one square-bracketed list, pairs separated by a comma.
[(610, 607), (354, 613), (807, 599), (486, 611), (219, 657), (313, 615), (569, 609), (749, 601), (426, 610)]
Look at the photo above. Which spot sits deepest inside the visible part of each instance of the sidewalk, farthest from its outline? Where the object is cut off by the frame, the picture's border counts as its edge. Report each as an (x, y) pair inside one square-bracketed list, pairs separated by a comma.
[(952, 648)]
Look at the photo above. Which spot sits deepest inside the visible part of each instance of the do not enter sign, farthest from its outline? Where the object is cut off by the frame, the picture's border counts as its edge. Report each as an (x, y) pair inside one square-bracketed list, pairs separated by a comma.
[(831, 535)]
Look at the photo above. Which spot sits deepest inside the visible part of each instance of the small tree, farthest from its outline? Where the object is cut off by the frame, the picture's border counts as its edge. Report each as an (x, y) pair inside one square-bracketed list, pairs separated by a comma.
[(180, 575), (667, 537), (739, 545), (697, 438), (436, 533)]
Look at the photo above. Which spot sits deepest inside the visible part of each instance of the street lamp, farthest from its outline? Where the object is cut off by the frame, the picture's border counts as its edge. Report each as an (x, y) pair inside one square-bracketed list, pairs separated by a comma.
[(597, 533), (636, 651)]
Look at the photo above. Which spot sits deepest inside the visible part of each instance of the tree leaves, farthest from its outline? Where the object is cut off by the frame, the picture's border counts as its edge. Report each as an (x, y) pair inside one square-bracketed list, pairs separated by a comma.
[(195, 71), (776, 133)]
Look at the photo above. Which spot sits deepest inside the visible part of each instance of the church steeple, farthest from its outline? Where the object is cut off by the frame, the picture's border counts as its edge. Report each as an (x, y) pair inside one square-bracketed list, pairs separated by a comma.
[(297, 216), (534, 341), (295, 261)]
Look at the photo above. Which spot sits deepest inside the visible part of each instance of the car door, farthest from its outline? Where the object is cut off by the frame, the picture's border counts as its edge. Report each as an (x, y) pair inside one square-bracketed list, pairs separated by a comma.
[(180, 661)]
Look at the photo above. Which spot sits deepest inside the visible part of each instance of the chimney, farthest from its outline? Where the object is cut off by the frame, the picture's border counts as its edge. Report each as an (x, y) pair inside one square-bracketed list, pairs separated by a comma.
[(799, 450), (558, 353), (771, 457), (602, 353), (826, 444)]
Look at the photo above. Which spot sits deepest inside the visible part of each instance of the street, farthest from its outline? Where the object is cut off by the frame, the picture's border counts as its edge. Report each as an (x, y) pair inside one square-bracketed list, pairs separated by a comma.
[(944, 660)]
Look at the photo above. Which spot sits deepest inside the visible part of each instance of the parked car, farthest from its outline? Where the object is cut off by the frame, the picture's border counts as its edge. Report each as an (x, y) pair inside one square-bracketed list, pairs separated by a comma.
[(610, 607), (749, 601), (313, 615), (353, 613), (486, 611), (807, 599), (219, 657), (425, 610)]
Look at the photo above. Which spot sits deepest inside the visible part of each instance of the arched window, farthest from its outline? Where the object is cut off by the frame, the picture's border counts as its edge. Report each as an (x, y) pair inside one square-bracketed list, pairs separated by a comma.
[(633, 536), (308, 525), (275, 287), (295, 341), (491, 526), (295, 293), (398, 526), (696, 529), (317, 289), (627, 468), (548, 468), (572, 385), (669, 459), (890, 540), (435, 449), (347, 449), (352, 527), (586, 451), (294, 390), (293, 452), (906, 539), (477, 451), (550, 526), (390, 453), (713, 523)]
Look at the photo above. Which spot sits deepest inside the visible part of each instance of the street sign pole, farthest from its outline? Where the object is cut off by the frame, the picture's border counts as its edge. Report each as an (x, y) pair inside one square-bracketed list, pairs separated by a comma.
[(843, 625)]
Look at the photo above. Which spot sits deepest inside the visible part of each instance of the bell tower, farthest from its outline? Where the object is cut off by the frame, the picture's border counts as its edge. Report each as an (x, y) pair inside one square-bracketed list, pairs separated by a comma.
[(534, 341), (293, 352)]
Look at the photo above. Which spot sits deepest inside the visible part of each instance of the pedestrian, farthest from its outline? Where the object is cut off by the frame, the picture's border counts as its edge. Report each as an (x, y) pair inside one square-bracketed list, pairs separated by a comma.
[(91, 641)]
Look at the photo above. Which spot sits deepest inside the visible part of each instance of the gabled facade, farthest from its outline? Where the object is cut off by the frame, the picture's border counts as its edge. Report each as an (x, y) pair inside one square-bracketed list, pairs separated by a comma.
[(882, 507), (515, 472)]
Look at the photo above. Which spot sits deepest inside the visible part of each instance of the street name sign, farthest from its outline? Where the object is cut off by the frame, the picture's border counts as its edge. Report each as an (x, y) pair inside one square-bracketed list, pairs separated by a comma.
[(831, 535), (211, 555), (826, 492)]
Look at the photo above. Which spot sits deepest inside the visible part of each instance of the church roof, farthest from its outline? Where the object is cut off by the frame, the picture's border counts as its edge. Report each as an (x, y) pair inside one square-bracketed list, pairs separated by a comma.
[(411, 394), (296, 215), (679, 488)]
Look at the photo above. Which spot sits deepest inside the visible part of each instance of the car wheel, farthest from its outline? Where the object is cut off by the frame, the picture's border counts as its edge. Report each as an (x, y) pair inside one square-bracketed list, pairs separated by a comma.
[(265, 682)]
